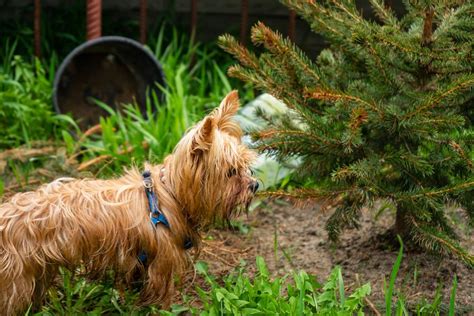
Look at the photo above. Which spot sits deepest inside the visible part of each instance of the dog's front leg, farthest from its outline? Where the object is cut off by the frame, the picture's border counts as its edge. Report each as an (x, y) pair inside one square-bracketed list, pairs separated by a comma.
[(164, 269)]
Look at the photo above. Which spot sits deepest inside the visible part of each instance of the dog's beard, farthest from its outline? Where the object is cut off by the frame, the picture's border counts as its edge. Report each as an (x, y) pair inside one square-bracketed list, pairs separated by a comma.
[(240, 200), (218, 200)]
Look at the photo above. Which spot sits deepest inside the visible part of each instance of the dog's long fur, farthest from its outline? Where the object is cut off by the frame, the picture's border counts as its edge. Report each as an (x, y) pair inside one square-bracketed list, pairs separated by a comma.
[(104, 224)]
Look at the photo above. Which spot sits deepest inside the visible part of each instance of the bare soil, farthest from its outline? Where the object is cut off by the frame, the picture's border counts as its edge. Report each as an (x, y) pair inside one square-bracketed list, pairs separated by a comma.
[(291, 238)]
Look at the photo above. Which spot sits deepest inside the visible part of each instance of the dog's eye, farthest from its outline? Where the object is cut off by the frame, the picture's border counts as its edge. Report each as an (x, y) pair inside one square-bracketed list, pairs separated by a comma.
[(232, 172), (250, 172)]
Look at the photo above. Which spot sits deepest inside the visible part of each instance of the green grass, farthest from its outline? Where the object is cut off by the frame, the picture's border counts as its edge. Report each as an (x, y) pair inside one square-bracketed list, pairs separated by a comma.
[(26, 113), (298, 293), (76, 296), (294, 294), (393, 277), (242, 292), (240, 295), (452, 298)]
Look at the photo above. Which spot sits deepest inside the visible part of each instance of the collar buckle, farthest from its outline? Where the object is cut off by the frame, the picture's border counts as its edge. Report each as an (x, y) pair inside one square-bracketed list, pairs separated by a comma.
[(147, 180), (148, 183)]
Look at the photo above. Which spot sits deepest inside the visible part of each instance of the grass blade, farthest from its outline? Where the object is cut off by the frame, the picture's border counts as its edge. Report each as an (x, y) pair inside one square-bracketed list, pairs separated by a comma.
[(393, 277), (452, 299), (340, 285)]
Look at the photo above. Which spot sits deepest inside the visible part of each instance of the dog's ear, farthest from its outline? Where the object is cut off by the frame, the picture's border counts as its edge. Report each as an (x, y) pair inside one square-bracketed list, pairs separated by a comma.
[(203, 136), (228, 108), (224, 113)]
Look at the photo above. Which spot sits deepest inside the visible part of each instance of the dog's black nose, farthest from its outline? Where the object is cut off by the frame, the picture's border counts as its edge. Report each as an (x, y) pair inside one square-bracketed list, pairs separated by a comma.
[(254, 186)]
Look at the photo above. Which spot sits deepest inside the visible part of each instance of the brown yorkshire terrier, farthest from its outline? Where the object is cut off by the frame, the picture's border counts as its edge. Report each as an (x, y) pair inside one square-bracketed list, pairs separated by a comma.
[(139, 225)]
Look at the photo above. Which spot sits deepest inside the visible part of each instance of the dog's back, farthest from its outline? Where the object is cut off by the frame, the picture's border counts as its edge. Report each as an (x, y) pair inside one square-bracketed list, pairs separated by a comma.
[(65, 223)]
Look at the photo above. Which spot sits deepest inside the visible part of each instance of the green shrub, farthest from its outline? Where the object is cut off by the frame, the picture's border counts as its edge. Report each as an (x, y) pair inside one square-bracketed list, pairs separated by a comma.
[(26, 112), (298, 294), (385, 113)]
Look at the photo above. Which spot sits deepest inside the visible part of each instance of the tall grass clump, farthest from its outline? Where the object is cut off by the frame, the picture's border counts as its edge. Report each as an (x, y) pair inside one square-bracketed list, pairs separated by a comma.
[(26, 112), (299, 293), (195, 85)]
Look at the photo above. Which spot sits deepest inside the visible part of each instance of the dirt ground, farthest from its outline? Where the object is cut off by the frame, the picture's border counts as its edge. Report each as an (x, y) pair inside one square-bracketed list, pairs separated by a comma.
[(365, 255)]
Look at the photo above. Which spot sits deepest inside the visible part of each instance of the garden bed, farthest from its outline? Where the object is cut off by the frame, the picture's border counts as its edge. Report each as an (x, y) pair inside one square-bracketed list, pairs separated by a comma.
[(291, 238)]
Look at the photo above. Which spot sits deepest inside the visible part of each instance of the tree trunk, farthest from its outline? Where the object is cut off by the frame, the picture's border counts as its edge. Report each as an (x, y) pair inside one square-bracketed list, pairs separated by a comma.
[(401, 226)]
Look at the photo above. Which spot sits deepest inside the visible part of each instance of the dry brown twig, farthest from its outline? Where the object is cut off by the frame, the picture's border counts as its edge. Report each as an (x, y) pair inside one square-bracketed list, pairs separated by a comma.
[(85, 165), (12, 188), (96, 129), (366, 299), (24, 154), (220, 259)]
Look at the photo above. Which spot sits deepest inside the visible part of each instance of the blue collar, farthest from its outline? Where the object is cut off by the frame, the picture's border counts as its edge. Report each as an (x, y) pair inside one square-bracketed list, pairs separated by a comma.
[(156, 216)]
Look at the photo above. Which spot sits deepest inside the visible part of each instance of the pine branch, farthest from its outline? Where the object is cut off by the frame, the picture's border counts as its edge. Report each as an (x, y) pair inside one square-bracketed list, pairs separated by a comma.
[(264, 81), (345, 216), (456, 87), (434, 240), (242, 54), (250, 76), (250, 70), (302, 196), (462, 154), (378, 62), (276, 44), (332, 96), (294, 134), (458, 188), (410, 162), (259, 73), (359, 116), (350, 10), (292, 147), (384, 13), (440, 121), (455, 21), (304, 143), (365, 171), (411, 52)]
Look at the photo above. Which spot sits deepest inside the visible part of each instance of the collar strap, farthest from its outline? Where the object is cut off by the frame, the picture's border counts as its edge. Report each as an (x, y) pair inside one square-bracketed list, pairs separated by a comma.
[(156, 216)]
